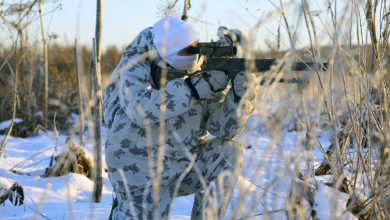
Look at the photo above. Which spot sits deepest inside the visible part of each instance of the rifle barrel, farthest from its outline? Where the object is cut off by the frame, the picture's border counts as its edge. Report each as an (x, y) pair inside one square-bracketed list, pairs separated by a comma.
[(234, 65)]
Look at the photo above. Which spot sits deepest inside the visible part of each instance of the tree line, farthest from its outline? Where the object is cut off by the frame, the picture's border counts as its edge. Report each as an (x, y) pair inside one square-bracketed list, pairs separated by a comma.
[(63, 81)]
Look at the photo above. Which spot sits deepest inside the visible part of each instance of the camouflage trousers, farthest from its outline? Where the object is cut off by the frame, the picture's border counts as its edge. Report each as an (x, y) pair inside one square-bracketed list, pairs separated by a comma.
[(211, 179)]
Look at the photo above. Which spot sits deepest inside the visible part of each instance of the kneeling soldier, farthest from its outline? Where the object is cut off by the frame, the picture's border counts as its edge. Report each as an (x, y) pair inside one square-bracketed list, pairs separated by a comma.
[(150, 129)]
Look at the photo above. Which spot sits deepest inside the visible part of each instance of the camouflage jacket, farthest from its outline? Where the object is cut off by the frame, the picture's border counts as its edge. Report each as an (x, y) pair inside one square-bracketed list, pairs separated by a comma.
[(132, 113)]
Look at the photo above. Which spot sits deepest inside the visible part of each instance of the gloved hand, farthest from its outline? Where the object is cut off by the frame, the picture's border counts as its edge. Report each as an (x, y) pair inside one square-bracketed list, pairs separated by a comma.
[(240, 84), (205, 85)]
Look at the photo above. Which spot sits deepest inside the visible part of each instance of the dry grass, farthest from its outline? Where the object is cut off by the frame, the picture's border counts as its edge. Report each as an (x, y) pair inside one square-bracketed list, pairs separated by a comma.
[(350, 101)]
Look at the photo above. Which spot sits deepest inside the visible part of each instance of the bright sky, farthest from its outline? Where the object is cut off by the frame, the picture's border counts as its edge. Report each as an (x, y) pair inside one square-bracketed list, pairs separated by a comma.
[(124, 19)]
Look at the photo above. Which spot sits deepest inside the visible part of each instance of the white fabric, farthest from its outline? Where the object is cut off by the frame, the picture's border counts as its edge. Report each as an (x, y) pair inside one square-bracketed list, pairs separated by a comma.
[(239, 83), (190, 63), (245, 84), (172, 35), (182, 62), (216, 82)]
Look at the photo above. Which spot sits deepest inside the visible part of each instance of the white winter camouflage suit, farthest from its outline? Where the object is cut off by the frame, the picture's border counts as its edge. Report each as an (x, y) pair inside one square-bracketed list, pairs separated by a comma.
[(132, 113)]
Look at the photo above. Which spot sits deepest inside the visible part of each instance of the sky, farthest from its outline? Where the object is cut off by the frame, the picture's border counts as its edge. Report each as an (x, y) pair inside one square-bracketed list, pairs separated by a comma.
[(124, 19)]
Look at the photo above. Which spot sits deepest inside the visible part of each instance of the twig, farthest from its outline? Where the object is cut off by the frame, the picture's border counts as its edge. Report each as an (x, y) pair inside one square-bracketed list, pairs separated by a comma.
[(37, 212), (262, 213), (46, 64), (97, 113), (81, 110), (290, 37), (4, 142), (24, 161), (262, 187)]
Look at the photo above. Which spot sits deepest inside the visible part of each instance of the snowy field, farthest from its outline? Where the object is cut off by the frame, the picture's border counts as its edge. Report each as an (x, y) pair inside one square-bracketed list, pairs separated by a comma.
[(261, 190)]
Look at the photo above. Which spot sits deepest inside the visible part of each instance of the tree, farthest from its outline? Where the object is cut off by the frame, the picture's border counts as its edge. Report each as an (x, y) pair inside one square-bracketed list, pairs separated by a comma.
[(97, 108)]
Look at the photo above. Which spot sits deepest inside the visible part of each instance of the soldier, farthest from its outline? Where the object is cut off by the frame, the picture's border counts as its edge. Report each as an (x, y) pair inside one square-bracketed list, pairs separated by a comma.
[(195, 106)]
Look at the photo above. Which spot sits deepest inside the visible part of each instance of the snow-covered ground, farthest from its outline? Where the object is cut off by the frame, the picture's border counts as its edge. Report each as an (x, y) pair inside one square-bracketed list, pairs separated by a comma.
[(263, 186)]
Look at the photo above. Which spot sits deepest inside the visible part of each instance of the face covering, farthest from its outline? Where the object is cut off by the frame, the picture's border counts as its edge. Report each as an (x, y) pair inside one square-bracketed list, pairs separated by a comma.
[(171, 34), (188, 63)]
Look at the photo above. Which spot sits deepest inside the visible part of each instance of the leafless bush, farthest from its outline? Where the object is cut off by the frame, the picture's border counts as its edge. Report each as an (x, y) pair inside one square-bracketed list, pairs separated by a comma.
[(351, 101)]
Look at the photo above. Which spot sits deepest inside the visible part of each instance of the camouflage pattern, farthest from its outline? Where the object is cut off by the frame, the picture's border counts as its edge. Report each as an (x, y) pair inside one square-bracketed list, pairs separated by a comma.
[(132, 116)]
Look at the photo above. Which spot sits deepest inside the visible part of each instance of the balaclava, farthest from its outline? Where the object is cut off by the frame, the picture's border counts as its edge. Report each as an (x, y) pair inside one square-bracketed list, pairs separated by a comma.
[(172, 35)]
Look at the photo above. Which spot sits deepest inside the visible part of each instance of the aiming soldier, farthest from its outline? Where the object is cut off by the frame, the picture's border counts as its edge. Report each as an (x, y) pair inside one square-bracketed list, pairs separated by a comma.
[(189, 108)]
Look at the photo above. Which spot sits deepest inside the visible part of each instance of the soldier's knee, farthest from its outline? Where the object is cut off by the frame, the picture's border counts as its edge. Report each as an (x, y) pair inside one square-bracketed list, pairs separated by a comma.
[(232, 147), (232, 151)]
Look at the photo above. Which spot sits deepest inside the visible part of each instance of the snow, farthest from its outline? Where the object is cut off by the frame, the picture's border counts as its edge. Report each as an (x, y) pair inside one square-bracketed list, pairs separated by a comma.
[(260, 192), (331, 200), (5, 124)]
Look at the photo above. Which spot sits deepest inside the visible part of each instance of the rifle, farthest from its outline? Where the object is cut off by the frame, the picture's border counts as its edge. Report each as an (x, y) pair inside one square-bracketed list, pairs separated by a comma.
[(218, 56)]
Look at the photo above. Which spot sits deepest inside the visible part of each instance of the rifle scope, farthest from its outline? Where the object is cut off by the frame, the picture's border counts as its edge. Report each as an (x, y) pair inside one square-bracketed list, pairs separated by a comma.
[(213, 49)]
